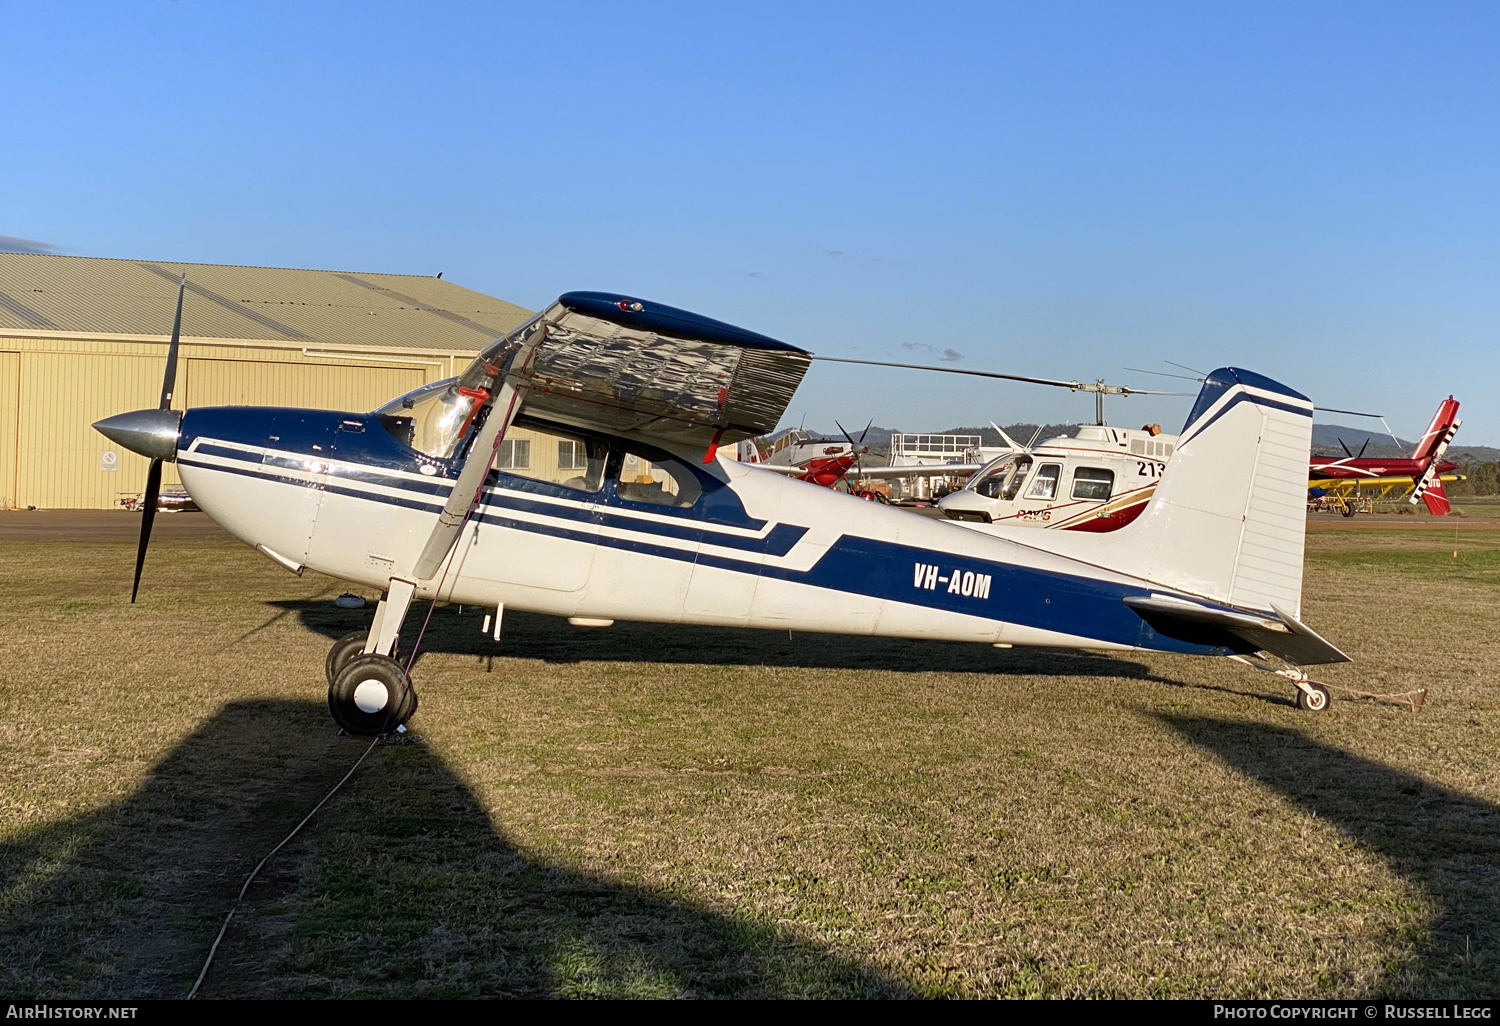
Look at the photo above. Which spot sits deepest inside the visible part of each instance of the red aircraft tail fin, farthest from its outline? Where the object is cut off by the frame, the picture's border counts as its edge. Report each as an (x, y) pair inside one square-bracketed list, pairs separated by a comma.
[(1429, 454), (1444, 426), (1436, 498)]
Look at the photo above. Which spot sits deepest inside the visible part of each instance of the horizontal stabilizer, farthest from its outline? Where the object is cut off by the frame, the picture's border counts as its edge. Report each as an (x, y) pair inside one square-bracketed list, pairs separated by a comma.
[(1282, 635)]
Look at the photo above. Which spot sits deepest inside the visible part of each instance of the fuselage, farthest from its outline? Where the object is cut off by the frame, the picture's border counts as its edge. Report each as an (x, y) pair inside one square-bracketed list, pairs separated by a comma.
[(342, 495), (1329, 467)]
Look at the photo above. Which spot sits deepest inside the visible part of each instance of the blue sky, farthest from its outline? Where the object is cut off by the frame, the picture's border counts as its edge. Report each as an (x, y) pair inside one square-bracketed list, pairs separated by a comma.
[(1060, 189)]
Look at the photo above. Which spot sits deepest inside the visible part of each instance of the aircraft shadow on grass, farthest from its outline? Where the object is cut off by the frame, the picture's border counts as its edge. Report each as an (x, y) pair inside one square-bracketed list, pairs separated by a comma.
[(1443, 841), (401, 886), (552, 639)]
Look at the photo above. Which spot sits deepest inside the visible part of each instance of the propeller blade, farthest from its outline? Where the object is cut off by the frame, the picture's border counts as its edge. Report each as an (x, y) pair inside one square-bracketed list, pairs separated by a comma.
[(1346, 449), (866, 431), (1362, 448), (148, 516), (169, 379), (846, 434), (153, 475)]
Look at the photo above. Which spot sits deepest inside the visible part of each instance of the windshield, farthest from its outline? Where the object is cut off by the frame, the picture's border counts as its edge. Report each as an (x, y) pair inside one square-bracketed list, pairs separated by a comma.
[(430, 419), (1002, 479)]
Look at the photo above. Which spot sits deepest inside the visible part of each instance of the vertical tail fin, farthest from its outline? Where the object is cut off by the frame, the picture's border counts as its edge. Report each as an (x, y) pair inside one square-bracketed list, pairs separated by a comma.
[(1228, 519), (1429, 456), (1440, 433), (1433, 495)]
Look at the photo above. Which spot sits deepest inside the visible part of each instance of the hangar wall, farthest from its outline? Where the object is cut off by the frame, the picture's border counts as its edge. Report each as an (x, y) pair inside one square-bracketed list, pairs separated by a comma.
[(54, 389), (82, 338)]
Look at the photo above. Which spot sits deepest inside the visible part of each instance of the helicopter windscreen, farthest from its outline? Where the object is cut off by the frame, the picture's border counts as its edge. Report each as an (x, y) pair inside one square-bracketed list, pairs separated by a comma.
[(1003, 478), (430, 419)]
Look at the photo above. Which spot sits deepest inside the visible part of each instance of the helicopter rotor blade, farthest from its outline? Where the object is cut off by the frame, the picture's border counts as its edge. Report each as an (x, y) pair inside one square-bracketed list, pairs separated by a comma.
[(1161, 374), (1352, 413), (1201, 374), (1076, 386), (1008, 440)]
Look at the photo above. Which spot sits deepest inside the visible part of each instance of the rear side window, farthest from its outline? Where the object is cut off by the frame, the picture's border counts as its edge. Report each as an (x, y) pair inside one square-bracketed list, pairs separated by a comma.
[(662, 481), (1044, 482), (1093, 483)]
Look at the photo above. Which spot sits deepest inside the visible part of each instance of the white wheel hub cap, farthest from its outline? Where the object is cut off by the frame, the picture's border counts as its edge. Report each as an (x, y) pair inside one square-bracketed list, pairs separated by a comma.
[(371, 696)]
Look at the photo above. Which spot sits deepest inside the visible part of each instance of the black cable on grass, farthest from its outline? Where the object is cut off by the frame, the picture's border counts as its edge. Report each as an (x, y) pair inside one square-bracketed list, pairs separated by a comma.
[(406, 678), (251, 878)]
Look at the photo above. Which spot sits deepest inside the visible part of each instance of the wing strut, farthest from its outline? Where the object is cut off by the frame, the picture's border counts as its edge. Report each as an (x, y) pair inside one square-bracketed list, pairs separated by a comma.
[(503, 403)]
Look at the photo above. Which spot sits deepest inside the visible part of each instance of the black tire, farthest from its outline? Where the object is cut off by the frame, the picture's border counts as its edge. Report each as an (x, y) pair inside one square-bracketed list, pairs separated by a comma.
[(371, 695), (343, 650), (1315, 702), (1348, 509)]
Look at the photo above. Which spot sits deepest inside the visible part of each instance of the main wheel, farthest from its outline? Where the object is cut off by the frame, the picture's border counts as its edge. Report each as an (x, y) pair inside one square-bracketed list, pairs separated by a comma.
[(1348, 509), (1317, 701), (371, 695), (343, 650)]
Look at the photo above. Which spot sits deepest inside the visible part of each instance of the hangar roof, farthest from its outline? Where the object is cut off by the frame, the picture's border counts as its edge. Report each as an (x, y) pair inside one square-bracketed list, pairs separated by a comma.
[(40, 292)]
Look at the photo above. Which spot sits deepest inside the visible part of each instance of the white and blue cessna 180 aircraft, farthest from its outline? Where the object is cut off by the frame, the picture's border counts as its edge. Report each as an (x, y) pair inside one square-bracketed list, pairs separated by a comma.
[(576, 469)]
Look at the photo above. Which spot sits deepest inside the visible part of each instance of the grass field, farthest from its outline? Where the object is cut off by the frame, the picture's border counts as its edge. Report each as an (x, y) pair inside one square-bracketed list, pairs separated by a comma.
[(650, 810)]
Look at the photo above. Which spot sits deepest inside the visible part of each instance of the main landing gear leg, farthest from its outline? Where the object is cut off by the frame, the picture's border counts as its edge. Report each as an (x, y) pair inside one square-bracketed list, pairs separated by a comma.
[(369, 692)]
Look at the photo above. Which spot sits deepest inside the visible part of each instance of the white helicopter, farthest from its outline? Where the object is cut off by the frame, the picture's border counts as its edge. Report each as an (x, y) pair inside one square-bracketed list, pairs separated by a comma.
[(625, 508), (1098, 479)]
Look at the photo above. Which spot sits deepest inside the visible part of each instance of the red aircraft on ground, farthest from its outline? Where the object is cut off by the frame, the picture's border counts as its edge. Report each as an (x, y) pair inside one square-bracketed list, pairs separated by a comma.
[(1425, 468), (814, 462)]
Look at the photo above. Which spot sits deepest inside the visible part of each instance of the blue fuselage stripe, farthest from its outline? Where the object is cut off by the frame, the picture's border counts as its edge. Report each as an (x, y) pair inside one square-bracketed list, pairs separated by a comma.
[(1042, 599)]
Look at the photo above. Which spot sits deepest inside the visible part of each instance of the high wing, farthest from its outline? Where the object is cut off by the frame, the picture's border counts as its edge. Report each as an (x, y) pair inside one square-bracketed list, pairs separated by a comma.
[(611, 363), (623, 365), (1388, 481)]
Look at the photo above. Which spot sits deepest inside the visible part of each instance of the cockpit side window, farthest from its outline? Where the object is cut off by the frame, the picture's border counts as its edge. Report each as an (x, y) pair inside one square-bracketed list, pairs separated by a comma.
[(657, 479)]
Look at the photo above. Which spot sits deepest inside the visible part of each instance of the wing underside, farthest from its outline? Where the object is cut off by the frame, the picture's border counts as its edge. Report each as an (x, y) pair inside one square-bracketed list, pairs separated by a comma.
[(625, 366)]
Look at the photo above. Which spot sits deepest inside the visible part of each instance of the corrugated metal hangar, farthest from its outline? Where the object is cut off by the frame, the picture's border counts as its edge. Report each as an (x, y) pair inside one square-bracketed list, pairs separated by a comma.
[(82, 338)]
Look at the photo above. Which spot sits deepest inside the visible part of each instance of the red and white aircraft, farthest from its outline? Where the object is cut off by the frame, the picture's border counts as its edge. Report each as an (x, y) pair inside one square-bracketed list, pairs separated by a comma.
[(1423, 472)]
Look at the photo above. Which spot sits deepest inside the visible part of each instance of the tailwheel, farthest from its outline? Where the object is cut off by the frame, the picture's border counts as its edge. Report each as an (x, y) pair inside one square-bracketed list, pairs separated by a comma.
[(371, 695), (1312, 697)]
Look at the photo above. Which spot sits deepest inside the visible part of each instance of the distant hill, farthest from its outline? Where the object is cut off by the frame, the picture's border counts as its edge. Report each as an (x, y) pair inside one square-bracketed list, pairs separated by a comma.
[(1325, 439)]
